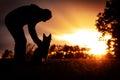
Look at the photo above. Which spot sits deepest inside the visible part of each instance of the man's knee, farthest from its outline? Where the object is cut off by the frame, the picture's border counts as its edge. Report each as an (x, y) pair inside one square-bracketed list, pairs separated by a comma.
[(24, 41), (21, 42)]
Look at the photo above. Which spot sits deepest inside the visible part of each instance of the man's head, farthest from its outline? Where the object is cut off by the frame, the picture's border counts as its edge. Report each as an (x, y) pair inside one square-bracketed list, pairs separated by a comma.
[(39, 14), (46, 14)]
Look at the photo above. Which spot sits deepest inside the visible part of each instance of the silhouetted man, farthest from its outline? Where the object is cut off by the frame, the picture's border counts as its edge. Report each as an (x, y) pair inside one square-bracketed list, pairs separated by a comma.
[(16, 19)]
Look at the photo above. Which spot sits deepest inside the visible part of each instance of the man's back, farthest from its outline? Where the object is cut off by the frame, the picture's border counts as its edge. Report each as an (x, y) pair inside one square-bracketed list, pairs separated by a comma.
[(23, 15)]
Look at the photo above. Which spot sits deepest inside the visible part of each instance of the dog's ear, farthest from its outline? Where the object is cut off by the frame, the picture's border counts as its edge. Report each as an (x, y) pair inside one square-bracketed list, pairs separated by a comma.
[(50, 36), (44, 36)]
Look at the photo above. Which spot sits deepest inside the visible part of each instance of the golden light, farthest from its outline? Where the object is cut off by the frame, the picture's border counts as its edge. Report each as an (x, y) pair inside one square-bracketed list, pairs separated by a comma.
[(88, 39)]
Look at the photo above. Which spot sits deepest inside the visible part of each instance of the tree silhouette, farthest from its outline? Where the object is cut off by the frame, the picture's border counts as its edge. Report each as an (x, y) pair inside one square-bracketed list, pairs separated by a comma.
[(52, 48), (108, 22), (29, 51), (8, 54)]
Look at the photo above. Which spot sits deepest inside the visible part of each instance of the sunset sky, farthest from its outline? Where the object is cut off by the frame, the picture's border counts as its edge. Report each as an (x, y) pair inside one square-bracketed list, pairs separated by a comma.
[(68, 17)]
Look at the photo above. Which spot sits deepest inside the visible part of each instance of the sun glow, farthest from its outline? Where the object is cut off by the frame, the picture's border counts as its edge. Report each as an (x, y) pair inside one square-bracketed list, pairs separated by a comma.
[(88, 39)]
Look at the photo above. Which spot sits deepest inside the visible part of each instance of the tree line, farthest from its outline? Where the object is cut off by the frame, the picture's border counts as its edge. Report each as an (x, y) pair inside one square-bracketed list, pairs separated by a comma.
[(57, 52)]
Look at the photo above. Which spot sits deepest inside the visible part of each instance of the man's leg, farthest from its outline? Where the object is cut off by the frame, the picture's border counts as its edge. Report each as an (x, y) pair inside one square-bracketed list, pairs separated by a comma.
[(20, 44)]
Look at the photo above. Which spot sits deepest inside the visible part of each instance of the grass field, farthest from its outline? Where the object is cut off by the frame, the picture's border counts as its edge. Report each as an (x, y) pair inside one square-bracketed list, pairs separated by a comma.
[(64, 69)]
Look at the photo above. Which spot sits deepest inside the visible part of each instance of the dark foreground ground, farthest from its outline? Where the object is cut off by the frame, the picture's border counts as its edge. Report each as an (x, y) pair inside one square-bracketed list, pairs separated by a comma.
[(63, 69)]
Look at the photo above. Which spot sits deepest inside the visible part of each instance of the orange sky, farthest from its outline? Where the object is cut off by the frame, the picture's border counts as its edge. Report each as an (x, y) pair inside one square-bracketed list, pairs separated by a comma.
[(71, 16), (68, 17)]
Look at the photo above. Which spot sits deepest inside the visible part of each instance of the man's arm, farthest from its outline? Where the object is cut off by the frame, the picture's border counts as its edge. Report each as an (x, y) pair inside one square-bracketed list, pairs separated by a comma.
[(32, 31)]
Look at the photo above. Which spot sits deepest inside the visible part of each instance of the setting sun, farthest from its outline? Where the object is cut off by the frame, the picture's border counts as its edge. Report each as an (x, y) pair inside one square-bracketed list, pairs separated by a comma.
[(88, 39)]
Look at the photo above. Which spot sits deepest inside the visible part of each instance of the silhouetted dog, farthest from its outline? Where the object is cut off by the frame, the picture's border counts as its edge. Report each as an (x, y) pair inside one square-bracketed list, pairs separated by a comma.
[(41, 53)]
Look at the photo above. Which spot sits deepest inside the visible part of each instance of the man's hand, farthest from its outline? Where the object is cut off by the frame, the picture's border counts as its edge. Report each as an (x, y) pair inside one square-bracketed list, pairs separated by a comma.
[(39, 44), (33, 34)]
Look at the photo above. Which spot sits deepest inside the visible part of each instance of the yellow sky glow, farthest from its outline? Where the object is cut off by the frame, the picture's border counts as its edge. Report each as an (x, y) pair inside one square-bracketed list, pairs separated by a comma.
[(86, 38)]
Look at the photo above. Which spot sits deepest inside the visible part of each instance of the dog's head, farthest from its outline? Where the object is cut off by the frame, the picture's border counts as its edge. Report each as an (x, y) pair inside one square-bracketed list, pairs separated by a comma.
[(46, 41)]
